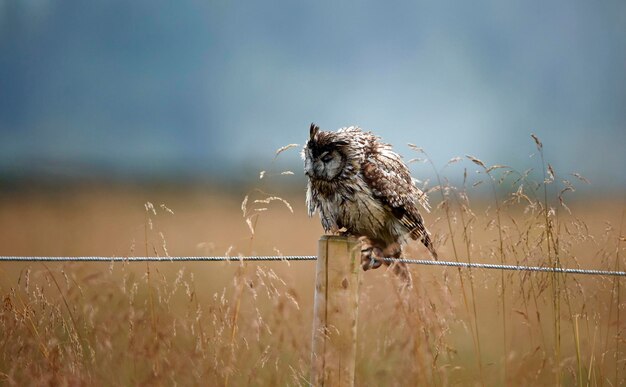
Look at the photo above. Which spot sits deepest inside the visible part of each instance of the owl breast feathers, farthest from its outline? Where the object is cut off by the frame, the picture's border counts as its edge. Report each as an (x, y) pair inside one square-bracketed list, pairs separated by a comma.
[(358, 183)]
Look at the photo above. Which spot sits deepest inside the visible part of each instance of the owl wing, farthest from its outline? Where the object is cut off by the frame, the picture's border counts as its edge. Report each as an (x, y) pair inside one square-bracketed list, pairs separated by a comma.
[(391, 182)]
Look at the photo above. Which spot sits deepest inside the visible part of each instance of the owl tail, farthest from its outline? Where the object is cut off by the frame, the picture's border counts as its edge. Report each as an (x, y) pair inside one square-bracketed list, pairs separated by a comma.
[(429, 245), (419, 232)]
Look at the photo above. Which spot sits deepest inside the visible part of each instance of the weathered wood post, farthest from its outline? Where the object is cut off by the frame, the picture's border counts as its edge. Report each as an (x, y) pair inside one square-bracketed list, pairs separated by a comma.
[(335, 311)]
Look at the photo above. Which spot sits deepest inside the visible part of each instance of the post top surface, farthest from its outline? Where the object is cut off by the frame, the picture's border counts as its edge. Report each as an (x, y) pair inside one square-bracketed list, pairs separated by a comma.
[(338, 238)]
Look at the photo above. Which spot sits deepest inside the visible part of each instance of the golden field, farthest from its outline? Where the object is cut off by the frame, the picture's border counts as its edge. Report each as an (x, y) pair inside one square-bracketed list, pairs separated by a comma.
[(231, 324)]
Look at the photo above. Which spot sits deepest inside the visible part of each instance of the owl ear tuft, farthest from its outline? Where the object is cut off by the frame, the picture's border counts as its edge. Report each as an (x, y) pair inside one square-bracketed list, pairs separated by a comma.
[(313, 131)]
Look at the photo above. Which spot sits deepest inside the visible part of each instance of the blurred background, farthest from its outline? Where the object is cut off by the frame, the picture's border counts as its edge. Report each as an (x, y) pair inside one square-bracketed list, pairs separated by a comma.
[(145, 96), (197, 89)]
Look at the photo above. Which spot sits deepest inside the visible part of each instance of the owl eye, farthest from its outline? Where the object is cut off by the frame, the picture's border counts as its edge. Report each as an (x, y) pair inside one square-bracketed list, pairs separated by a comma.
[(326, 157)]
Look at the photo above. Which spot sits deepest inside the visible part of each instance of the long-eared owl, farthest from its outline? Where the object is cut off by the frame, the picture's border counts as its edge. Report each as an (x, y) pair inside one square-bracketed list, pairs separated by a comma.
[(361, 187)]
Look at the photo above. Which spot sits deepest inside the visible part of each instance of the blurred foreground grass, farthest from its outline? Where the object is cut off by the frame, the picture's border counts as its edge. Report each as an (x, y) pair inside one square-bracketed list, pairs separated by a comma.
[(218, 323)]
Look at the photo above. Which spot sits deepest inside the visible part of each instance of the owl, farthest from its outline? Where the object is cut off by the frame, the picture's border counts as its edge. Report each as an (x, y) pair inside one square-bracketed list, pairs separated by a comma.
[(362, 188)]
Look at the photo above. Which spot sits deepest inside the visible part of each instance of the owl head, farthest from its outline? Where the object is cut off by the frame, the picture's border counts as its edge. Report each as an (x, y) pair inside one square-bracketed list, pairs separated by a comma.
[(325, 154)]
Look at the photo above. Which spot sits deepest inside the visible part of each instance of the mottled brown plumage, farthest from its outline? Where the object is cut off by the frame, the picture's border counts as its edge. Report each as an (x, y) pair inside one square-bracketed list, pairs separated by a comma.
[(361, 187)]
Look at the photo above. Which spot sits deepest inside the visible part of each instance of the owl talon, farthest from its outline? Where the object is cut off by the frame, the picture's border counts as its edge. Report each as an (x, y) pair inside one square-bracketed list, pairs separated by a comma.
[(366, 258), (371, 258), (375, 263), (369, 264)]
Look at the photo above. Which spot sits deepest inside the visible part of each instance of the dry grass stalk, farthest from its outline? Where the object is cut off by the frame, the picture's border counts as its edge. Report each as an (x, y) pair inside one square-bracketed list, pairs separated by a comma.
[(251, 324)]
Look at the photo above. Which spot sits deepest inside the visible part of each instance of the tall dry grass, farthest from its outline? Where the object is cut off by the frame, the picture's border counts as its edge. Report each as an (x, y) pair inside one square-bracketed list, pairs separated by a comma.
[(250, 323)]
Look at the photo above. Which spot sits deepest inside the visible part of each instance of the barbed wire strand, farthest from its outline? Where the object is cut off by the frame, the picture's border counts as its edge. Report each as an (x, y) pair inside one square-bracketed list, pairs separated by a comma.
[(466, 265)]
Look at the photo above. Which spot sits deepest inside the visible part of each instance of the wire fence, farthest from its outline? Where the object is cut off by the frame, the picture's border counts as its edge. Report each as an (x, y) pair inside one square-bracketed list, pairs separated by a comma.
[(465, 265)]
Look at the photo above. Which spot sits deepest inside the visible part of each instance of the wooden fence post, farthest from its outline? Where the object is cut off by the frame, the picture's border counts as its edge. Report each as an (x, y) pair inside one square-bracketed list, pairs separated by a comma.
[(335, 312)]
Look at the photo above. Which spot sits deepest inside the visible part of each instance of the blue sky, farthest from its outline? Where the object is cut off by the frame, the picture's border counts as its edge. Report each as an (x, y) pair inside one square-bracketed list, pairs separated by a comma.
[(214, 87)]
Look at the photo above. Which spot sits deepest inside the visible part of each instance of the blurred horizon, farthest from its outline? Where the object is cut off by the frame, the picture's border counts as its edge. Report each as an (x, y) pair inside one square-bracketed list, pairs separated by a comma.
[(207, 91)]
